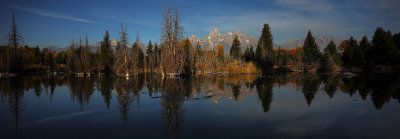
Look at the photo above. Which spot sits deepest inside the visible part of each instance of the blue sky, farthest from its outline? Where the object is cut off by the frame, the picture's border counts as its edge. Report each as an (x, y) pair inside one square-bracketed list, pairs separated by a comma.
[(57, 22)]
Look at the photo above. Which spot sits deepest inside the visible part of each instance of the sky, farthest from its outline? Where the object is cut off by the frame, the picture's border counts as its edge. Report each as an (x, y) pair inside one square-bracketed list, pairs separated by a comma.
[(57, 22)]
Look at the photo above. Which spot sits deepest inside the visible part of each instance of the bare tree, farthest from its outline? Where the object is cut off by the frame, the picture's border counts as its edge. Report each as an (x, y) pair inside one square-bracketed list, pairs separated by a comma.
[(86, 56), (122, 59), (172, 55), (71, 63), (15, 40)]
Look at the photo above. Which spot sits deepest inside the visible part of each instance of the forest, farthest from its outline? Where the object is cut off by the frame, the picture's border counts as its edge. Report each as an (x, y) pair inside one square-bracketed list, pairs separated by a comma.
[(176, 55)]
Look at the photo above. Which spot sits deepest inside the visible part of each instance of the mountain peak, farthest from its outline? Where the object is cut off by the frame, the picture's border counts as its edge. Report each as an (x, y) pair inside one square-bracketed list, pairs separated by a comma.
[(216, 30), (215, 38)]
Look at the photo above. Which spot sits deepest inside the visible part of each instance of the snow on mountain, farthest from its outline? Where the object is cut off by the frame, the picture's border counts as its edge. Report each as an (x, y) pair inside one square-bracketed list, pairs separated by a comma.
[(212, 40)]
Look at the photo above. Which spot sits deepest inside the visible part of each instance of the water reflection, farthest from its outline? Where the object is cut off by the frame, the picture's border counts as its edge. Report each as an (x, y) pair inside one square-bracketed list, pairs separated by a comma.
[(173, 92), (264, 91), (81, 90)]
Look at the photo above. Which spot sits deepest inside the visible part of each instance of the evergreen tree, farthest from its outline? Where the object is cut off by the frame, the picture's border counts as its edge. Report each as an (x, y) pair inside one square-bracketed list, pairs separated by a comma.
[(246, 55), (149, 51), (331, 51), (106, 54), (311, 52), (251, 53), (188, 56), (264, 52), (326, 63), (235, 49), (383, 50), (156, 55), (149, 55), (365, 46), (36, 55), (353, 55), (396, 39), (198, 52)]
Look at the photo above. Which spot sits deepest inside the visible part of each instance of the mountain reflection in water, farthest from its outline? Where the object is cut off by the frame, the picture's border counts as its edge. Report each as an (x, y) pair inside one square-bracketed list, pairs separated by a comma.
[(152, 106)]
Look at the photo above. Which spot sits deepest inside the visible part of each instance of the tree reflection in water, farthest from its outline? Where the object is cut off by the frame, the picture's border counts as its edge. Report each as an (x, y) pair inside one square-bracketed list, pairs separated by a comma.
[(173, 92), (127, 91), (105, 86), (173, 96), (81, 89), (264, 91), (331, 83), (309, 88), (15, 97)]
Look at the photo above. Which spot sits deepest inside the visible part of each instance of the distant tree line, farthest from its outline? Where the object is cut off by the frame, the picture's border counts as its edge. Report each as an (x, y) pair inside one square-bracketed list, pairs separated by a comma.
[(176, 55)]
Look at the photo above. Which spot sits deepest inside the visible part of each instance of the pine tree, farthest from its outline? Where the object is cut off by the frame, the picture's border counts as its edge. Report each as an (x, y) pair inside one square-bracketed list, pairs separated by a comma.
[(36, 55), (311, 52), (264, 52), (156, 55), (149, 56), (331, 51), (246, 54), (396, 39), (106, 54), (149, 50), (188, 56), (235, 49), (365, 46), (326, 62), (352, 55), (384, 50), (199, 54), (251, 53)]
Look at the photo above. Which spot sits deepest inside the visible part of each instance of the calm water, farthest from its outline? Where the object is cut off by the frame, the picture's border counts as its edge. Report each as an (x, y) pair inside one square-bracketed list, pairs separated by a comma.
[(242, 106)]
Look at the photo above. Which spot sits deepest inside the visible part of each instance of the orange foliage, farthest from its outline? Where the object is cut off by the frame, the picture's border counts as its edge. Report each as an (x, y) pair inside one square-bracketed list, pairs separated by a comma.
[(220, 50), (343, 45), (294, 51), (239, 67), (208, 52)]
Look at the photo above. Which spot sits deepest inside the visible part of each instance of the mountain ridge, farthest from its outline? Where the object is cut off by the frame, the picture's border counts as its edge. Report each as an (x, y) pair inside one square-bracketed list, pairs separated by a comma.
[(214, 38)]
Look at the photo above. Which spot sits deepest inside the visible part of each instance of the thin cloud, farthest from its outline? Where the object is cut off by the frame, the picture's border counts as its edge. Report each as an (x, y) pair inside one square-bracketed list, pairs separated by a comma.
[(306, 5), (51, 14)]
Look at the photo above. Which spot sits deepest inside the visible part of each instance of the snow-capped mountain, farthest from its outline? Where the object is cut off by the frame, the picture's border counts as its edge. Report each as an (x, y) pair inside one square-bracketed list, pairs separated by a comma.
[(211, 41)]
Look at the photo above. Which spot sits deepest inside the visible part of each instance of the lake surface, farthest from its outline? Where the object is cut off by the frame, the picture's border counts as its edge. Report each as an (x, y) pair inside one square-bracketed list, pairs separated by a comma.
[(240, 106)]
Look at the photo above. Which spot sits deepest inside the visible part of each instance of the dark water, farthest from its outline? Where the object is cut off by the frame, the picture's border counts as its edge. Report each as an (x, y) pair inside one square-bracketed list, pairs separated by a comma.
[(242, 106)]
